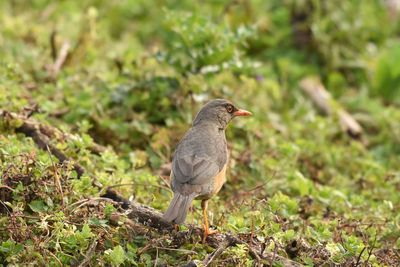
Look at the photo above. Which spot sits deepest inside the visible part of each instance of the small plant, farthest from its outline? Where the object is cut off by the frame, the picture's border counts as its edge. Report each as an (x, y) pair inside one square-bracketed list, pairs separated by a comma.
[(200, 46)]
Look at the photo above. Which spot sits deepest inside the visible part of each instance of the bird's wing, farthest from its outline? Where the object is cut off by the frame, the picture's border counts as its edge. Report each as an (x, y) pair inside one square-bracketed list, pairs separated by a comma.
[(194, 170)]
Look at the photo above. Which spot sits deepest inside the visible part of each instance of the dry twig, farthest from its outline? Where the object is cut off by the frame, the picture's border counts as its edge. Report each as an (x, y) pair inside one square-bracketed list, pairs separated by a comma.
[(54, 256), (53, 44), (89, 255), (251, 242), (62, 56), (91, 201), (359, 256), (324, 101), (215, 254), (56, 175), (138, 184)]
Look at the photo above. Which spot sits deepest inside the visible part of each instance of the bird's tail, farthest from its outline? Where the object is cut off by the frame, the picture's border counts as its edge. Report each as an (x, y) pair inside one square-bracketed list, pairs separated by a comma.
[(178, 209)]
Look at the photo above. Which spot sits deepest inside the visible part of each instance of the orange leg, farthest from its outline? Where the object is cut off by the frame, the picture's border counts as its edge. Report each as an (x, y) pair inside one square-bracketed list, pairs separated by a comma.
[(206, 227)]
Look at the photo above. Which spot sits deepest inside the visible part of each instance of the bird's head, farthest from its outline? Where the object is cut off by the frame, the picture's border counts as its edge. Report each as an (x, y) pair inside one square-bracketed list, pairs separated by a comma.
[(220, 112)]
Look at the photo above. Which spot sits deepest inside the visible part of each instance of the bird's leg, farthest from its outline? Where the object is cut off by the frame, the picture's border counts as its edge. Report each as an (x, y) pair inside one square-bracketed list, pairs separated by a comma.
[(206, 227)]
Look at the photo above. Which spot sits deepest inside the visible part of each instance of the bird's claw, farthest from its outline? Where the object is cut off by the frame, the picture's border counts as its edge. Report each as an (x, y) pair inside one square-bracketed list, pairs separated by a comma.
[(207, 232)]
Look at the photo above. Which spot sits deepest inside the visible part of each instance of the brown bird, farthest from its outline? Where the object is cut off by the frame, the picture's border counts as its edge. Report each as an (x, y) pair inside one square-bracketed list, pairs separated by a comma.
[(200, 160)]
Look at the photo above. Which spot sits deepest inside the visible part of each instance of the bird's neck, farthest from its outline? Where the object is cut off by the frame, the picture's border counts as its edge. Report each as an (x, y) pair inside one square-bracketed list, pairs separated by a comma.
[(215, 125)]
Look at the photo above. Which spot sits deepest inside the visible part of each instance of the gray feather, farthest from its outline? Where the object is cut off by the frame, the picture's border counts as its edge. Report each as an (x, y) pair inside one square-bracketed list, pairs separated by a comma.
[(200, 155), (194, 170), (178, 209)]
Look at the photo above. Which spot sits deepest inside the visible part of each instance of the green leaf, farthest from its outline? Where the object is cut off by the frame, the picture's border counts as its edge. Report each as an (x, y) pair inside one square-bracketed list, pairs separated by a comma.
[(109, 209), (116, 256), (38, 206), (86, 232), (274, 204), (302, 183), (341, 248), (313, 233), (309, 262), (97, 222), (278, 264), (49, 202)]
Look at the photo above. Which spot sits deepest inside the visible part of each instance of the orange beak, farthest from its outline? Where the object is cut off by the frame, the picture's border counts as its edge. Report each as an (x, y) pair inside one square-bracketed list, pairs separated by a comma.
[(242, 112)]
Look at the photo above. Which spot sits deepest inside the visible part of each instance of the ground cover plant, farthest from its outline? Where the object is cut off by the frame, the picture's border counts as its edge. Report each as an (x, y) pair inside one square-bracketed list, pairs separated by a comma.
[(95, 95)]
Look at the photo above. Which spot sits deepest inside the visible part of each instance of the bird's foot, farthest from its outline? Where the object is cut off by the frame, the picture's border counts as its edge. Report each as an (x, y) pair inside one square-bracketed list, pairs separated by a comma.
[(207, 232)]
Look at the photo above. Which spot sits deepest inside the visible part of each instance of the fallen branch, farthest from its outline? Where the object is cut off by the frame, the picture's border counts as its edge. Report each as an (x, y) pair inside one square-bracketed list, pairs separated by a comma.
[(145, 185), (59, 61), (31, 126), (34, 130), (153, 218), (324, 101), (137, 228), (148, 216)]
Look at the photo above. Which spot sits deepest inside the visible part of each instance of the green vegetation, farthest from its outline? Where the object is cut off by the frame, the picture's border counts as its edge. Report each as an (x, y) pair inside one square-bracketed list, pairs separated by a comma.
[(137, 72)]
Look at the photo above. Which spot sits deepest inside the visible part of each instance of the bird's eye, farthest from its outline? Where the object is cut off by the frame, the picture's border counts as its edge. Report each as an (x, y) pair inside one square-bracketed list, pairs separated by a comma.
[(229, 108)]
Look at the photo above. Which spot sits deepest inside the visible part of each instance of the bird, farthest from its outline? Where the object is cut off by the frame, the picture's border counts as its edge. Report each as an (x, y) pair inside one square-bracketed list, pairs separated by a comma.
[(199, 162)]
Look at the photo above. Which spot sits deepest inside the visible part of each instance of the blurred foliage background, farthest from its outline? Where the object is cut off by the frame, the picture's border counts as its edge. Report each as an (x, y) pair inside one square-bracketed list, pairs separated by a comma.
[(136, 73)]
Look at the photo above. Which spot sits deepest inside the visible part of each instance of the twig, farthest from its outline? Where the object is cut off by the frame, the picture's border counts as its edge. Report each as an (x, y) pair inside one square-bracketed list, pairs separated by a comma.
[(155, 261), (251, 242), (150, 244), (59, 112), (29, 111), (80, 201), (188, 257), (55, 231), (56, 175), (323, 100), (7, 187), (53, 44), (89, 255), (372, 248), (273, 257), (91, 200), (54, 256), (178, 249), (359, 256), (215, 254), (166, 181), (164, 158), (137, 228), (138, 184), (59, 61), (256, 255)]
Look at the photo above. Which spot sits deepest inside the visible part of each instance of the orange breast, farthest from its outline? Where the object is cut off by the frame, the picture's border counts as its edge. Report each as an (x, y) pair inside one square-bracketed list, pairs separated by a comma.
[(219, 180)]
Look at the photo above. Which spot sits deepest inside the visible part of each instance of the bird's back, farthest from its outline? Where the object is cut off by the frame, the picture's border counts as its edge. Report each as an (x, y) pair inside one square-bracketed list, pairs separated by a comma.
[(199, 157)]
